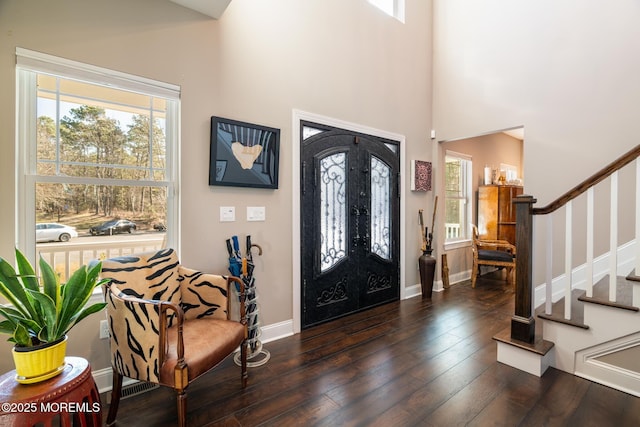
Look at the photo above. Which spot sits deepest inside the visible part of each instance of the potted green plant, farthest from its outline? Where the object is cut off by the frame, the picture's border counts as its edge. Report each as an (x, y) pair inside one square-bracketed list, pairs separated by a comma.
[(41, 312)]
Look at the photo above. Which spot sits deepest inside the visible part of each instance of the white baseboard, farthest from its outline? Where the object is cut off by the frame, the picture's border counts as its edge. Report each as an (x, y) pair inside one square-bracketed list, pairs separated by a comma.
[(277, 331), (104, 379), (412, 291), (438, 285), (459, 277)]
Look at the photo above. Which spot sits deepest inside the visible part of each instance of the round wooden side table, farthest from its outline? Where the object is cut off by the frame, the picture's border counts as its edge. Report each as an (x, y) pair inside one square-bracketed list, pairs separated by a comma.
[(70, 398)]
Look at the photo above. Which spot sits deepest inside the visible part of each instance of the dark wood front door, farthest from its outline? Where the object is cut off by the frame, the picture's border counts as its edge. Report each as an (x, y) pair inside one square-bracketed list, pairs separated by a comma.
[(350, 222)]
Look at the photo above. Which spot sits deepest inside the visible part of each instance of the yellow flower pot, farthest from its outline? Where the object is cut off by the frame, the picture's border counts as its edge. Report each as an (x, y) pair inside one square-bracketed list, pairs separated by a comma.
[(40, 363)]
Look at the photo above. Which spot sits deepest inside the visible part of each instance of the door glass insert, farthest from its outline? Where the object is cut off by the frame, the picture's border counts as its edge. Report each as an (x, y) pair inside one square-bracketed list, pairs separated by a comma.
[(332, 209), (380, 208), (392, 147), (308, 132)]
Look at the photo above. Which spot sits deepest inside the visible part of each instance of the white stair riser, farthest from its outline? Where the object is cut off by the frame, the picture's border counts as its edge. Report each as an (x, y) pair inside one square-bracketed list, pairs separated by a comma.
[(605, 324)]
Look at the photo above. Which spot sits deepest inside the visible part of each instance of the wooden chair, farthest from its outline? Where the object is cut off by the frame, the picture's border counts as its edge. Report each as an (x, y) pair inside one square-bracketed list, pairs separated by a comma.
[(496, 253), (169, 324)]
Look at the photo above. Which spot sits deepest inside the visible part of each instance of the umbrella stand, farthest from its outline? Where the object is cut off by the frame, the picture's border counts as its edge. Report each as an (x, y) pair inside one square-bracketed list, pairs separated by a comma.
[(243, 267)]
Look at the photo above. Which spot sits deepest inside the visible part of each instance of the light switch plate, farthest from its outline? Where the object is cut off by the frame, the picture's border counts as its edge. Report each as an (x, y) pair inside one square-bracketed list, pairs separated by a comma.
[(104, 329), (227, 213), (256, 213)]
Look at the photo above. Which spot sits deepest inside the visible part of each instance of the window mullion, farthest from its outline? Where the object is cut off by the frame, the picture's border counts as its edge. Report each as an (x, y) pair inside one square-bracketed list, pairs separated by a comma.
[(27, 135), (151, 139), (58, 154), (172, 173), (99, 181)]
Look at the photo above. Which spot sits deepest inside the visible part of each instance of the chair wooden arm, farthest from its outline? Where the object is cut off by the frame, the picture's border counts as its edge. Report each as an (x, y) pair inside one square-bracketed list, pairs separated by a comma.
[(162, 339)]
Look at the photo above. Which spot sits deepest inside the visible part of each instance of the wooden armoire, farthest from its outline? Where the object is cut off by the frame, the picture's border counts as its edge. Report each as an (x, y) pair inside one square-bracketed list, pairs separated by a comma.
[(496, 212)]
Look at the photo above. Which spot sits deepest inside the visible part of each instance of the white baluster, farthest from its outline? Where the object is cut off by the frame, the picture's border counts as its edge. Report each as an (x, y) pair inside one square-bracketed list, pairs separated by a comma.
[(636, 287), (67, 263), (590, 232), (613, 238), (549, 270), (568, 247), (637, 219)]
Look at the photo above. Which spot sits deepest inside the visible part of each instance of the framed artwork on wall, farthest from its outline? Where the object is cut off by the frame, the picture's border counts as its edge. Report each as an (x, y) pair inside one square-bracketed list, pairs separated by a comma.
[(420, 175), (243, 154)]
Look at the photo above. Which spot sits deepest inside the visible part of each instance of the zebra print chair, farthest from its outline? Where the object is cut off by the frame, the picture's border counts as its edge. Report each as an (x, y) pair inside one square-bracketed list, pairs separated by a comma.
[(169, 324)]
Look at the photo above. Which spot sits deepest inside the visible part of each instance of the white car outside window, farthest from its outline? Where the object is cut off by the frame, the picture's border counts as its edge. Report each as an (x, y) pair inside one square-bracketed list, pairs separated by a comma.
[(50, 232)]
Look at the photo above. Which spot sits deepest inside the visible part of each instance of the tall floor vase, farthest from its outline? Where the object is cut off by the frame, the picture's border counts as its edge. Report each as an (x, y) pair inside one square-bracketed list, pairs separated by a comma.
[(427, 265)]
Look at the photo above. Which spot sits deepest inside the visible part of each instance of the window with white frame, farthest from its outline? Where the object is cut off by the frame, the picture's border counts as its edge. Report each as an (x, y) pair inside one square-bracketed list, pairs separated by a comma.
[(393, 8), (94, 145), (510, 172), (457, 196)]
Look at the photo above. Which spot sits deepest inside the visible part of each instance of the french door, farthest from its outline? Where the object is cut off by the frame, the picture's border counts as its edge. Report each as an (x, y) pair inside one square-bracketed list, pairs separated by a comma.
[(349, 222)]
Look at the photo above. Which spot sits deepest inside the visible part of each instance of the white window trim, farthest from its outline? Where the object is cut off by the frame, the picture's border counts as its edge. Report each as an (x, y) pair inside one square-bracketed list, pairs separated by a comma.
[(457, 244), (450, 153), (28, 63), (465, 240), (398, 9), (509, 168)]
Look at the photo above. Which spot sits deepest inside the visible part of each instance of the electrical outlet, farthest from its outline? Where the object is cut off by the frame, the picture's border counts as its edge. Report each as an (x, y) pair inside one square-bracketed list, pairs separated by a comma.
[(104, 329)]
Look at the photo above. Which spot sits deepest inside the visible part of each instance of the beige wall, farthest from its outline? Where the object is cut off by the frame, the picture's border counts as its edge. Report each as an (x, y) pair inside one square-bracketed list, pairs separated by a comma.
[(563, 70), (261, 60)]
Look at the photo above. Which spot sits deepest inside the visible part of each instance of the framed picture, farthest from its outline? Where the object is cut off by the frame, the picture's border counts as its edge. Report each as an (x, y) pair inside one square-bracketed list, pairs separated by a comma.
[(243, 154), (421, 175)]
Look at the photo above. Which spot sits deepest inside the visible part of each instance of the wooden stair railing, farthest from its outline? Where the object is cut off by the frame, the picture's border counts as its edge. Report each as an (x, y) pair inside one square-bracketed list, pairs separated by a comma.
[(523, 323)]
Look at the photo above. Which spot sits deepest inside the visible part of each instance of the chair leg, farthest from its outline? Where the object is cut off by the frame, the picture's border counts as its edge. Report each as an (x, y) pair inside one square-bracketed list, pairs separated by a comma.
[(243, 359), (474, 275), (182, 408), (115, 397)]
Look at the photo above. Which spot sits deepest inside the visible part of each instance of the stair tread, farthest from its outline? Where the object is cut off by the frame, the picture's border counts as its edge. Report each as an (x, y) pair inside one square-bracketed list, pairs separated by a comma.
[(557, 311), (624, 294), (540, 346)]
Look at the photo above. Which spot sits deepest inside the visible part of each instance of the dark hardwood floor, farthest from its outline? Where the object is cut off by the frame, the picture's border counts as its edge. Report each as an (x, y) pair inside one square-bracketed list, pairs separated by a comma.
[(410, 363)]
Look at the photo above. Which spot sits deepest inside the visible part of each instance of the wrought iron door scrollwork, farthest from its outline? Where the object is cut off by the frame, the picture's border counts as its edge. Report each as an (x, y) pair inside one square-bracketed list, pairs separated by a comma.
[(376, 282), (332, 183), (379, 222), (333, 294)]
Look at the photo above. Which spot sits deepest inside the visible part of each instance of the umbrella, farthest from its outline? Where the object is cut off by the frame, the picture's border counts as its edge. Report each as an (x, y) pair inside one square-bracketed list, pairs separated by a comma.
[(243, 267), (234, 263)]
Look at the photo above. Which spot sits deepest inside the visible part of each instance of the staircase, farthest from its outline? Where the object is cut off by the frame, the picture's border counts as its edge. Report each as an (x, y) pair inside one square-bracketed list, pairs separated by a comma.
[(586, 319)]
